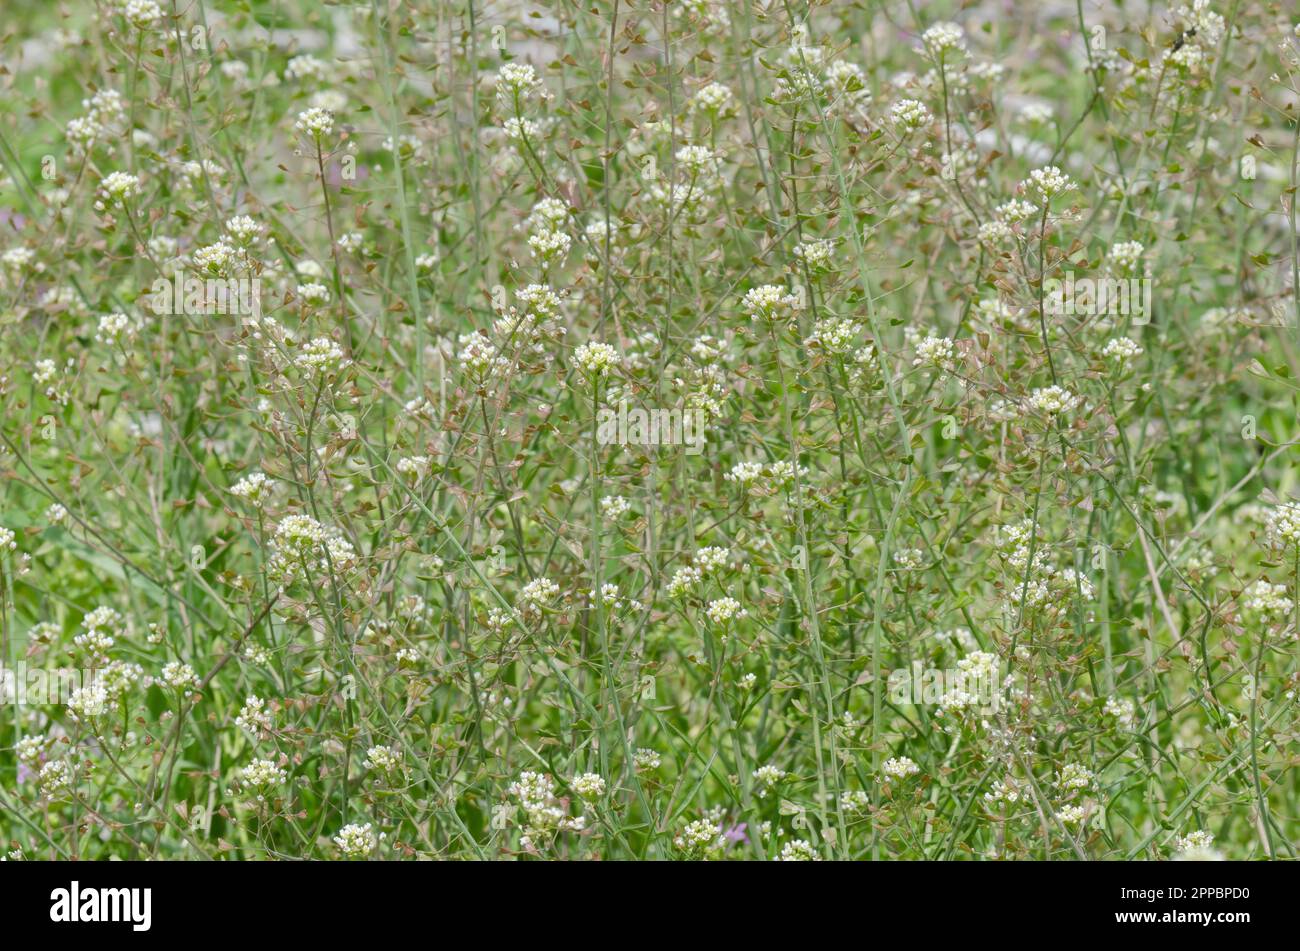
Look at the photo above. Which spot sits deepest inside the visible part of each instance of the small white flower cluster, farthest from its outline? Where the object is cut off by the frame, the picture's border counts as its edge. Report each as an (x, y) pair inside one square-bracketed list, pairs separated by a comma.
[(385, 760), (817, 255), (1195, 840), (757, 478), (899, 767), (714, 100), (1121, 351), (357, 841), (595, 359), (942, 38), (588, 785), (854, 802), (725, 610), (253, 716), (701, 839), (1053, 400), (87, 702), (141, 14), (103, 626), (1074, 776), (255, 487), (1125, 256), (835, 335), (179, 675), (544, 814), (767, 778), (975, 686), (1049, 181), (1268, 603), (302, 546), (115, 188), (515, 83), (321, 355), (646, 760), (1201, 31), (315, 122), (798, 850), (768, 302), (1003, 791), (1282, 525), (105, 111), (939, 353), (313, 294), (56, 778), (261, 774), (537, 595), (910, 115), (1123, 710), (1071, 815), (1042, 584), (614, 507), (304, 66)]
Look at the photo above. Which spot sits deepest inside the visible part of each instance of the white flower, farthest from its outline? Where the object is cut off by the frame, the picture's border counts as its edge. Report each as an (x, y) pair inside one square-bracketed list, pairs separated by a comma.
[(1282, 525), (1074, 776), (1198, 839), (944, 37), (539, 592), (314, 294), (937, 352), (816, 255), (518, 129), (910, 115), (767, 302), (899, 767), (87, 702), (55, 777), (854, 802), (321, 354), (701, 838), (261, 773), (116, 187), (1049, 182), (244, 230), (255, 487), (767, 778), (179, 675), (588, 785), (316, 122), (253, 716), (304, 66), (1268, 602), (696, 160), (595, 359), (1126, 255), (141, 14), (714, 99), (1121, 350), (646, 761), (798, 850), (614, 506), (724, 610), (1124, 711), (515, 82), (1053, 400), (357, 841), (383, 759), (1070, 815)]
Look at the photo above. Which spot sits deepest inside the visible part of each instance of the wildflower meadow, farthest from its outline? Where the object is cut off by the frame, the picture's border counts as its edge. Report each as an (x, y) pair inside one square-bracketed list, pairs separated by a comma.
[(649, 430)]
